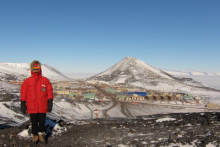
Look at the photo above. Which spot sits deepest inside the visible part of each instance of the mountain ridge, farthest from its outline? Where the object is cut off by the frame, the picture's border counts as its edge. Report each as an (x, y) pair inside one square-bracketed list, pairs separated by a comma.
[(191, 72), (22, 70)]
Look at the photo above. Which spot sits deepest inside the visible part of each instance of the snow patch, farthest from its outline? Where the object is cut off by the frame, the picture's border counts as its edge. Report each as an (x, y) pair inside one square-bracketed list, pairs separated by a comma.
[(165, 119)]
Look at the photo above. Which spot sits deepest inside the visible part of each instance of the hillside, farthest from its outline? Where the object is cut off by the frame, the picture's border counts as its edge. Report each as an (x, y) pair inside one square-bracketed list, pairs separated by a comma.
[(188, 130)]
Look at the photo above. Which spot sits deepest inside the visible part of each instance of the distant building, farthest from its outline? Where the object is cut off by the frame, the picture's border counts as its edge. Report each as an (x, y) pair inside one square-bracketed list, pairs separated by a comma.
[(137, 93), (122, 89), (89, 96), (93, 90), (63, 92), (111, 90), (132, 89), (212, 105), (121, 96), (71, 95), (188, 96)]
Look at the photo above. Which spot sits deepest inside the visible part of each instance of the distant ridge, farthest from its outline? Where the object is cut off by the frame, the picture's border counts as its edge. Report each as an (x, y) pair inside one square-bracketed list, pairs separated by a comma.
[(23, 70), (191, 72)]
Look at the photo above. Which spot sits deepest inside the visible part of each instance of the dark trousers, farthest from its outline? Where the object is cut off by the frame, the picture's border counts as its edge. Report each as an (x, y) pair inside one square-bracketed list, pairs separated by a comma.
[(38, 122)]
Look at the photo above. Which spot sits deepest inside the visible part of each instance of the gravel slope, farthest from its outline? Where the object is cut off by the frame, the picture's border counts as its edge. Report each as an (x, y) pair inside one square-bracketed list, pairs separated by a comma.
[(198, 129)]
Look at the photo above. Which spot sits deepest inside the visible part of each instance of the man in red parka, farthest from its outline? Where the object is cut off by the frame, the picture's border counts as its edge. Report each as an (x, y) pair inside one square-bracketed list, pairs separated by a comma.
[(37, 100)]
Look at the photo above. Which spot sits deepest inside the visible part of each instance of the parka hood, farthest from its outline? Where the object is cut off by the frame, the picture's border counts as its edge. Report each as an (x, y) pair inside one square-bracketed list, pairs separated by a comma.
[(34, 62), (32, 66)]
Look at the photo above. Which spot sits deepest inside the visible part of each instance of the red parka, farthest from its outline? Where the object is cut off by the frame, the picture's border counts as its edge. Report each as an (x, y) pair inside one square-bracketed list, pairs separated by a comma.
[(36, 91)]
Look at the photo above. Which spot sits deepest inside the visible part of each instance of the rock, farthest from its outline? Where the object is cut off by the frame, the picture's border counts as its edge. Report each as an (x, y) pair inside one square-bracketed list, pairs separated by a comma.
[(24, 126)]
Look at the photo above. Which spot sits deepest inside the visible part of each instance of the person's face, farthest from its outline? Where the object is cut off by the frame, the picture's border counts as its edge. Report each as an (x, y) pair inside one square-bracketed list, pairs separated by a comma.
[(36, 70)]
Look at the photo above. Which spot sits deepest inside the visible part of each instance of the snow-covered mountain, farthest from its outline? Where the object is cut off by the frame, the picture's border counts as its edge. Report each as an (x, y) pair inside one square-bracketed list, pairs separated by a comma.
[(136, 72), (15, 71)]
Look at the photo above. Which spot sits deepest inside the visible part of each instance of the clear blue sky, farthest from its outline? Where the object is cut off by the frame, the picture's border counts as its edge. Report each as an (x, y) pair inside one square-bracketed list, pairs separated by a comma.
[(89, 36)]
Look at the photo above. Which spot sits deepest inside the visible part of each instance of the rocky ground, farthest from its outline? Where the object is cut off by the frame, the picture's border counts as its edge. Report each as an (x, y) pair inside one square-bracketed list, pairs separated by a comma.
[(189, 129)]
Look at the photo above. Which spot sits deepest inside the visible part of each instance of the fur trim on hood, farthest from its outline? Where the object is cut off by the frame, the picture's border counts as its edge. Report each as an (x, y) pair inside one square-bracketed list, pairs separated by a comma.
[(35, 62)]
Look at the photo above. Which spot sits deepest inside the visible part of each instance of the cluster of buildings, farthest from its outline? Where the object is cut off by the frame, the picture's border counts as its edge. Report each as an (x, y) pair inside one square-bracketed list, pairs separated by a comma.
[(90, 91)]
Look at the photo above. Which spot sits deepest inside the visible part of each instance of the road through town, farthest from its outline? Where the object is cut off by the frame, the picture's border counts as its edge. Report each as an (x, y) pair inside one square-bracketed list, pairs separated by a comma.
[(115, 103)]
